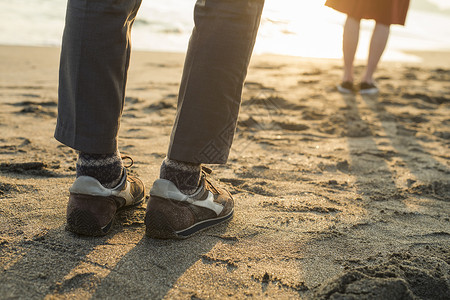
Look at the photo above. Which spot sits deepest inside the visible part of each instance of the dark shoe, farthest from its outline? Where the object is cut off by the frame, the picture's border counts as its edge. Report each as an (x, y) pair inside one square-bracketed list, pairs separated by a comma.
[(92, 207), (346, 87), (174, 215), (368, 88)]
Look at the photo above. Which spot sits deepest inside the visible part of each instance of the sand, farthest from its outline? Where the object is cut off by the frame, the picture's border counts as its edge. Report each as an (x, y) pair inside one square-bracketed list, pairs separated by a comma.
[(337, 197)]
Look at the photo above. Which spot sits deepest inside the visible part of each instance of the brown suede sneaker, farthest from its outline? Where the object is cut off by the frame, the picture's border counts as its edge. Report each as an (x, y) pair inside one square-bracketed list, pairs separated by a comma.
[(174, 215), (346, 87), (368, 88), (92, 207)]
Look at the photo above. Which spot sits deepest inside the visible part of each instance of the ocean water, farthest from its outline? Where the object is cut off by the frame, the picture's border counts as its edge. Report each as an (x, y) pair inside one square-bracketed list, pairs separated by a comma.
[(290, 27)]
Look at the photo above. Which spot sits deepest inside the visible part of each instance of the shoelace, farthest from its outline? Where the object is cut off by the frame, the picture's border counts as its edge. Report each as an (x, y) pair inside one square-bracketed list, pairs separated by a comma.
[(205, 172), (124, 157)]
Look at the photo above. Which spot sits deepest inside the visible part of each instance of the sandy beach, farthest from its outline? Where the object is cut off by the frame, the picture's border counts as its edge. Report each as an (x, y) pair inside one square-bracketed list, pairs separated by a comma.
[(337, 196)]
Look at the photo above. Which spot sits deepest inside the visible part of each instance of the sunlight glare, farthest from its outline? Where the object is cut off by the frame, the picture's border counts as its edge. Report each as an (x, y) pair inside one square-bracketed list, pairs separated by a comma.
[(308, 28)]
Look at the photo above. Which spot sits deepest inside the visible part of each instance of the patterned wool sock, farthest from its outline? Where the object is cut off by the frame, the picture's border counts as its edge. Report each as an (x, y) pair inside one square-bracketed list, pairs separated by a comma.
[(185, 175), (106, 168)]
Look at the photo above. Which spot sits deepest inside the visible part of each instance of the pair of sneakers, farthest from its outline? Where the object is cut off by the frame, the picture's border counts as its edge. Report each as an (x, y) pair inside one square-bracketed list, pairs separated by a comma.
[(365, 88), (170, 213)]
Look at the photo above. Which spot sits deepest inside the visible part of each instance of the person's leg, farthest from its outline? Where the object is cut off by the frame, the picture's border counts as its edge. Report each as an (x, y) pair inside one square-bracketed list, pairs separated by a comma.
[(349, 46), (184, 200), (215, 68), (378, 43), (210, 93), (93, 69)]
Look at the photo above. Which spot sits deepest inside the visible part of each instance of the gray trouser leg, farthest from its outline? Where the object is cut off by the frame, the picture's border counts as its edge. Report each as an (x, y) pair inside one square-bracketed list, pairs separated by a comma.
[(93, 69), (215, 68)]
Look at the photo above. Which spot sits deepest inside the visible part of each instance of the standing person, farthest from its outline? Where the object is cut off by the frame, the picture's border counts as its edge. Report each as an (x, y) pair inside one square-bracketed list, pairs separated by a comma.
[(95, 56), (385, 13)]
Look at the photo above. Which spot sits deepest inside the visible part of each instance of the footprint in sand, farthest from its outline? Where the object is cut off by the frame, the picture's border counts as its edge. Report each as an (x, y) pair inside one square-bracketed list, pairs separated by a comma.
[(395, 279), (259, 188), (6, 189), (133, 100), (436, 189), (440, 75), (30, 168), (345, 125), (313, 115), (14, 145), (160, 105), (38, 109), (291, 126), (427, 98)]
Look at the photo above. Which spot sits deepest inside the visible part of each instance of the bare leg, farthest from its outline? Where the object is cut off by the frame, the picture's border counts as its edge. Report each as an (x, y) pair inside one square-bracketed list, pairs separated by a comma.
[(377, 45), (349, 45)]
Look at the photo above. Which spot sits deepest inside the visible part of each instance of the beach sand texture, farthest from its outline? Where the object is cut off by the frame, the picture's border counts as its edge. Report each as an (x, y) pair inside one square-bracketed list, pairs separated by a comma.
[(335, 195)]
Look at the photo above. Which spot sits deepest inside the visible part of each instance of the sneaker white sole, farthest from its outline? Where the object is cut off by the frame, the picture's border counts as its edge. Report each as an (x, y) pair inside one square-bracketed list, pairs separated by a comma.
[(371, 91), (344, 90)]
